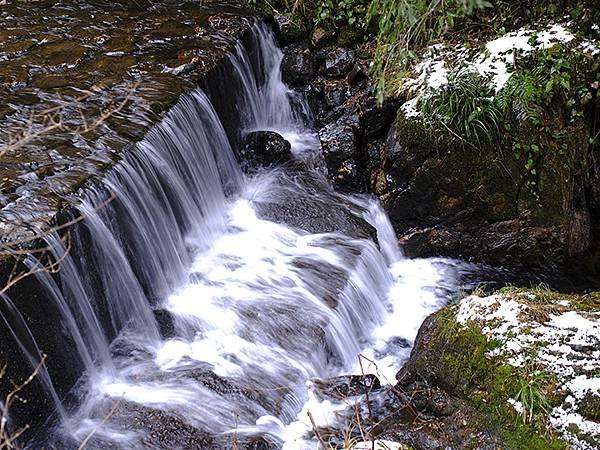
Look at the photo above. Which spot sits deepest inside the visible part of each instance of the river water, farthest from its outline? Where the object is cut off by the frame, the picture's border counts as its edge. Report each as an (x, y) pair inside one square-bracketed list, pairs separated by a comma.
[(225, 294)]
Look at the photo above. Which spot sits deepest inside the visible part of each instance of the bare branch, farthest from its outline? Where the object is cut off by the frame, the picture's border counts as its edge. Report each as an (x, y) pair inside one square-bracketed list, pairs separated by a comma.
[(104, 419), (7, 249), (316, 430), (52, 120), (7, 439)]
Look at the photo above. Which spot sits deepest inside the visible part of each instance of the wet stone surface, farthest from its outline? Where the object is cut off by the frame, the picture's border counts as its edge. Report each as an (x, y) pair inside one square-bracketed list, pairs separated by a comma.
[(80, 82)]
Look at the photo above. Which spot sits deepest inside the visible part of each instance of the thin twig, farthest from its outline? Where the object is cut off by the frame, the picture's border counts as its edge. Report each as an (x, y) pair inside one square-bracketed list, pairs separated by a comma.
[(104, 419), (316, 430), (7, 247), (52, 120), (7, 439)]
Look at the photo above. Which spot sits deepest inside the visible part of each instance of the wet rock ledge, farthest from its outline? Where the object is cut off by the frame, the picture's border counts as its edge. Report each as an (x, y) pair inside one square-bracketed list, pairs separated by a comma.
[(81, 82)]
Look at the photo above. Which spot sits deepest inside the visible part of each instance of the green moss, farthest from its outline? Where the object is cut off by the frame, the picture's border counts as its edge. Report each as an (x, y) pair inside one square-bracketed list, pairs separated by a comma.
[(413, 134), (349, 36), (488, 383), (581, 436), (590, 407)]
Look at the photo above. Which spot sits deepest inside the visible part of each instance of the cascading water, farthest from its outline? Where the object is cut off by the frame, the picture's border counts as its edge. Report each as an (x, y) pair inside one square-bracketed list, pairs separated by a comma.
[(250, 305)]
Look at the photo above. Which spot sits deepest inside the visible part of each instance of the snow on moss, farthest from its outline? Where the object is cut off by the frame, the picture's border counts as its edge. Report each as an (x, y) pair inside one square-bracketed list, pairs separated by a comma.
[(565, 342)]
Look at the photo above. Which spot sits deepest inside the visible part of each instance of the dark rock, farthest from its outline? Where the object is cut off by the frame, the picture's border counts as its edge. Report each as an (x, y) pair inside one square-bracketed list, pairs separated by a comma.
[(342, 387), (341, 143), (315, 99), (166, 326), (298, 66), (356, 75), (442, 201), (61, 52), (326, 213), (347, 177), (504, 243), (335, 93), (264, 149), (339, 62), (122, 348), (315, 217), (338, 142), (325, 281), (376, 120)]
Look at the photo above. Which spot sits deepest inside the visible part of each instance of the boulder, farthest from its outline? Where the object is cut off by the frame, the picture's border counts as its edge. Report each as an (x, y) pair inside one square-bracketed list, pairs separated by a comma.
[(341, 142), (338, 141), (264, 149), (335, 92), (166, 324), (375, 119), (339, 62), (298, 66), (327, 213)]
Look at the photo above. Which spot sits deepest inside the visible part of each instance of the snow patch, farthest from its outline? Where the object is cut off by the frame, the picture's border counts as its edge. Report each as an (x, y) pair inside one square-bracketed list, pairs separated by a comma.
[(516, 404)]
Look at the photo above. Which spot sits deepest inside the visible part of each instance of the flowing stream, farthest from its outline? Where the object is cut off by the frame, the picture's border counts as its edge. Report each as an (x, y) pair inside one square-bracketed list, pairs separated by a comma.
[(215, 297)]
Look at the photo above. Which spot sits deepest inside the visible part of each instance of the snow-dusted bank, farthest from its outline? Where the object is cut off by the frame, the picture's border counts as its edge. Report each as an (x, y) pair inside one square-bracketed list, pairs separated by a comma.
[(495, 61)]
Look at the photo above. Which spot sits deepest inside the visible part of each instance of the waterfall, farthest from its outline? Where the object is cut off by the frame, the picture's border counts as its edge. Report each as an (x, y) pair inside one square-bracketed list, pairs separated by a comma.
[(189, 298)]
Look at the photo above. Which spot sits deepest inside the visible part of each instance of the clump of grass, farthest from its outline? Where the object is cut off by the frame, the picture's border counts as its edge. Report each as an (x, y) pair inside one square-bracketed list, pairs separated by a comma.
[(543, 295), (531, 385), (465, 106)]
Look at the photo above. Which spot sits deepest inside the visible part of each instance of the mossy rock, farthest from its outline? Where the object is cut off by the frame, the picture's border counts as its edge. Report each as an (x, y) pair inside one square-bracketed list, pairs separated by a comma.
[(413, 135), (292, 28), (454, 177), (349, 36), (456, 359)]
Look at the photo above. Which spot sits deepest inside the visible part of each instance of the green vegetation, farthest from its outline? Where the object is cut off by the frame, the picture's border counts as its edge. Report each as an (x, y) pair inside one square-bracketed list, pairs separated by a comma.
[(351, 12), (535, 125), (407, 26), (526, 145), (488, 383), (544, 296)]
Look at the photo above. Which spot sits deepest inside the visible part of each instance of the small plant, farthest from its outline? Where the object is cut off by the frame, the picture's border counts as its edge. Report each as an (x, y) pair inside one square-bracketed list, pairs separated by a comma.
[(481, 376), (351, 12), (466, 108), (532, 384)]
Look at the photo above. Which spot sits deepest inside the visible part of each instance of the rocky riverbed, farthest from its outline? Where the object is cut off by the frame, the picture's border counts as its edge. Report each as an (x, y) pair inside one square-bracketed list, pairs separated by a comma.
[(517, 368), (444, 199)]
